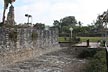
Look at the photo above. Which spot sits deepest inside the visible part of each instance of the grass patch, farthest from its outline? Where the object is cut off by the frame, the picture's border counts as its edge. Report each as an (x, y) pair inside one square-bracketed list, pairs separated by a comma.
[(92, 39), (64, 39), (82, 39)]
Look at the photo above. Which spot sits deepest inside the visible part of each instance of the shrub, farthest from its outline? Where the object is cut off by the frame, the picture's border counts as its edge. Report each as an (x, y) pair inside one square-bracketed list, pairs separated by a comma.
[(75, 40), (102, 43), (97, 63), (87, 53)]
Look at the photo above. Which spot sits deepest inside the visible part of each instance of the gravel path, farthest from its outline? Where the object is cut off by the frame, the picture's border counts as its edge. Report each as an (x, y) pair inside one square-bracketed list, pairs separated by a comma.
[(59, 61)]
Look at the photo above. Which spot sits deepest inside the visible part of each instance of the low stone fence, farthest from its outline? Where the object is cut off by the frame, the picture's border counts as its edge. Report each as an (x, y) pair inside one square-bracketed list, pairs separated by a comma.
[(25, 43)]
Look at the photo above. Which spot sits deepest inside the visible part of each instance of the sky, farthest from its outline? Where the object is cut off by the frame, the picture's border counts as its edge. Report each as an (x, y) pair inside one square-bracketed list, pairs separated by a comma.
[(46, 11)]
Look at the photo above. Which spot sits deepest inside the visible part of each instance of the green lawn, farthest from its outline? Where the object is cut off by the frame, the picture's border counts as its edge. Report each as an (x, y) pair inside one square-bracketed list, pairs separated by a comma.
[(63, 39), (83, 39), (92, 39)]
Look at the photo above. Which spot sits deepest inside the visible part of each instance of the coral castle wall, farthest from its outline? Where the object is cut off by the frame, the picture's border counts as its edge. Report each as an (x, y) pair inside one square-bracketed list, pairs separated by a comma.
[(25, 43)]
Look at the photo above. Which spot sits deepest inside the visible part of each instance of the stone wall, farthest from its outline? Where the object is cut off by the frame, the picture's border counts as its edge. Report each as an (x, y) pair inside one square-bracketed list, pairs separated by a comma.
[(25, 43)]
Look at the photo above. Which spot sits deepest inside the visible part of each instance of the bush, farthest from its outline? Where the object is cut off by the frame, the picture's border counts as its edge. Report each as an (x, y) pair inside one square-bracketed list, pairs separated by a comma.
[(102, 43), (87, 53), (97, 63), (75, 40)]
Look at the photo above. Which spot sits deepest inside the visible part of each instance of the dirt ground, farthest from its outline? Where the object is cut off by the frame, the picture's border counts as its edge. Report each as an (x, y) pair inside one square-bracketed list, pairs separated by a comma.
[(64, 60)]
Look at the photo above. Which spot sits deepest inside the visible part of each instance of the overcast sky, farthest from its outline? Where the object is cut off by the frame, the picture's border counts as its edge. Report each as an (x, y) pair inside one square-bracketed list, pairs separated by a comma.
[(46, 11)]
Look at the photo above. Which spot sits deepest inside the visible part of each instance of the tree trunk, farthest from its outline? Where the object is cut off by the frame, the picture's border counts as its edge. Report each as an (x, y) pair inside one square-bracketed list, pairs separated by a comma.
[(3, 19)]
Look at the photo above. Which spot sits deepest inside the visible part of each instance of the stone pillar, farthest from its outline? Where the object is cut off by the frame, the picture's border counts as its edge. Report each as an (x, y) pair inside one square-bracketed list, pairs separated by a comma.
[(18, 40), (7, 41), (10, 16)]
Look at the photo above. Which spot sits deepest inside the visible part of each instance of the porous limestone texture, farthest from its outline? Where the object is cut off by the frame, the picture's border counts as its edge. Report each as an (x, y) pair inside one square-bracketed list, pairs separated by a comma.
[(17, 44)]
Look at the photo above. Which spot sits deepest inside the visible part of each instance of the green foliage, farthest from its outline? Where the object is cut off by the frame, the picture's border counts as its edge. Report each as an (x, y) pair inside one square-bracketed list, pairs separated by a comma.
[(75, 40), (69, 21), (96, 60), (87, 53), (65, 23), (13, 35), (97, 63), (101, 22), (86, 31), (102, 43), (56, 23)]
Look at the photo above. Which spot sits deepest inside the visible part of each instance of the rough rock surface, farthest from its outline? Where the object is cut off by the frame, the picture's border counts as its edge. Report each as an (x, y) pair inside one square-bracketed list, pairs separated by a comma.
[(59, 61)]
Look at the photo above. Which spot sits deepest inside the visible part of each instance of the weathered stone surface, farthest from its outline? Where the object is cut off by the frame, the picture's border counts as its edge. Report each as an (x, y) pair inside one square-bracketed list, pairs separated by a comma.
[(23, 46), (10, 16), (57, 61)]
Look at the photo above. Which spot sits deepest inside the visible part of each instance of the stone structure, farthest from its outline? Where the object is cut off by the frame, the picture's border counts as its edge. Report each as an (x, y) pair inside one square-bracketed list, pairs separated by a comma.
[(24, 38), (10, 16), (24, 43)]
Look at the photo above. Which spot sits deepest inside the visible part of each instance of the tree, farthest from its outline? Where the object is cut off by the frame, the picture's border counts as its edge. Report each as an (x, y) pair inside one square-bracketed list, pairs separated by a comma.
[(101, 22), (98, 26), (80, 23), (69, 21), (6, 3), (56, 23), (65, 23)]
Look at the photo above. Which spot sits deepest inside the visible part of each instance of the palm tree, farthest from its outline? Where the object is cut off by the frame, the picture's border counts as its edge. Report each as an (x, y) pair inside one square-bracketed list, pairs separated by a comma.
[(6, 3)]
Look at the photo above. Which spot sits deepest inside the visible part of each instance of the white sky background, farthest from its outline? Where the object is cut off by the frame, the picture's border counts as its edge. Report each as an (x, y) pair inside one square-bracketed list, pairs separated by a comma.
[(46, 11)]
